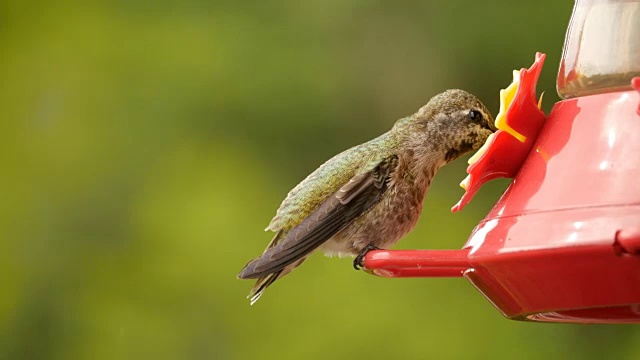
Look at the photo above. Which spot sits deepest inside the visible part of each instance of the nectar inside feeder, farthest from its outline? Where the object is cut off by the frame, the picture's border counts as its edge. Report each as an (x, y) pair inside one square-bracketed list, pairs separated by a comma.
[(562, 244)]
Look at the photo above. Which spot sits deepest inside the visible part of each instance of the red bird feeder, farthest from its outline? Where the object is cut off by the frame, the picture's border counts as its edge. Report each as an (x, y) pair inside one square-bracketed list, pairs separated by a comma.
[(563, 242)]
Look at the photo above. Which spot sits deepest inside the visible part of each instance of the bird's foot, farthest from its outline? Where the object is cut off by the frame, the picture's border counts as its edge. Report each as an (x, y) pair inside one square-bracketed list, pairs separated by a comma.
[(358, 261)]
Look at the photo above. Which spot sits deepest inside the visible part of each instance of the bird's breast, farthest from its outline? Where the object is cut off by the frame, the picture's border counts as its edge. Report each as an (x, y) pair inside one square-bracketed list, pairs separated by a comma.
[(387, 222)]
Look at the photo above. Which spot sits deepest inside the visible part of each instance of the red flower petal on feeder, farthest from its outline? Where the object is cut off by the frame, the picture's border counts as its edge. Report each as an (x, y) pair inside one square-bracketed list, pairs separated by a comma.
[(518, 127)]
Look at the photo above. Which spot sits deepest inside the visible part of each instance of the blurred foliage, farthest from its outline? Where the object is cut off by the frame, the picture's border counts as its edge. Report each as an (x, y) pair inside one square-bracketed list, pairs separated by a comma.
[(145, 145)]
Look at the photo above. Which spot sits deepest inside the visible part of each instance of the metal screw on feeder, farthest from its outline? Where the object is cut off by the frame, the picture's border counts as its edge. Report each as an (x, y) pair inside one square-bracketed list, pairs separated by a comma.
[(563, 242)]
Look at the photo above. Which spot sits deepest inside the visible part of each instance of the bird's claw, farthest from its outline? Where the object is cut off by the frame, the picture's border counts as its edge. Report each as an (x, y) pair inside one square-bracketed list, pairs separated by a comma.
[(358, 262)]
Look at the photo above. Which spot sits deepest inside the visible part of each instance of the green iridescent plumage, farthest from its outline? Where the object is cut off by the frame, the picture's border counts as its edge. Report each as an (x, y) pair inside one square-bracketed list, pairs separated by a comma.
[(329, 177)]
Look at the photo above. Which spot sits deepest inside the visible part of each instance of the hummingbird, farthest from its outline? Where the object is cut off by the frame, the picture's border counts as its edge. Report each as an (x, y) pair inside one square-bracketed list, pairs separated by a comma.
[(370, 196)]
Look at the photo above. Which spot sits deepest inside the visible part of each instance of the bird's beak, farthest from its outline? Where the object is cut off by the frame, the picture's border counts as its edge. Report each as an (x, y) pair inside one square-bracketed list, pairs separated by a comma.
[(491, 124)]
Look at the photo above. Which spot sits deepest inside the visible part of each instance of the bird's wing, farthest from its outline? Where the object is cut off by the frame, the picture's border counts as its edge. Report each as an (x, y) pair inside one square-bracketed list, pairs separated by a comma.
[(327, 179), (351, 200)]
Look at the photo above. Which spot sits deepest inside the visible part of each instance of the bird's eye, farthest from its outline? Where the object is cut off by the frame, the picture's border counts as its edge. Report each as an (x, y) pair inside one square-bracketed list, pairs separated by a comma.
[(474, 115)]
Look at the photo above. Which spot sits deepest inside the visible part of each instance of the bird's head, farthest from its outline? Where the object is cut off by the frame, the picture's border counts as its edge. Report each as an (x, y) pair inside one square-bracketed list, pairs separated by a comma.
[(452, 123)]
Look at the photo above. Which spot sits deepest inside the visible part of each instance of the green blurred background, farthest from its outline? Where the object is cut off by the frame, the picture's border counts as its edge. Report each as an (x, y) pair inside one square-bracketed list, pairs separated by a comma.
[(146, 144)]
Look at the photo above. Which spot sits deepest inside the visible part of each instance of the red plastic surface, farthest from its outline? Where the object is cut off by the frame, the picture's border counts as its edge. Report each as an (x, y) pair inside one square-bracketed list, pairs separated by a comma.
[(636, 85), (563, 242), (418, 263)]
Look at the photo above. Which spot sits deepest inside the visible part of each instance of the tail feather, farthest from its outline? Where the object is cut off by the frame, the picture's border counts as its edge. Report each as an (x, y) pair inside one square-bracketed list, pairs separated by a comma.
[(264, 282), (260, 286)]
